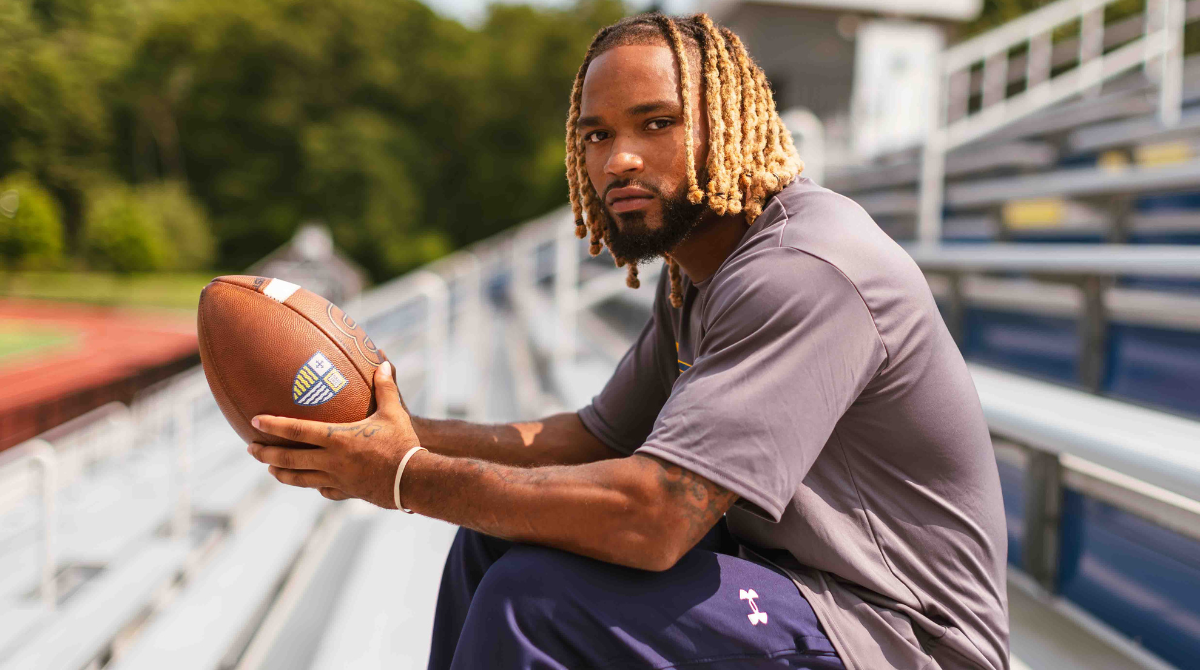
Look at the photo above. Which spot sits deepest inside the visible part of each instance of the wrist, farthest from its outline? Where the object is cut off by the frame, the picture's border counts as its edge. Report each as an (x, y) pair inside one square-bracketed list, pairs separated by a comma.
[(405, 468), (424, 429)]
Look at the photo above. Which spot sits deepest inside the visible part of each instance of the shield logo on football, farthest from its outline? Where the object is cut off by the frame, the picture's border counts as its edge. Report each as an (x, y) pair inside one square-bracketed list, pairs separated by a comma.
[(317, 381)]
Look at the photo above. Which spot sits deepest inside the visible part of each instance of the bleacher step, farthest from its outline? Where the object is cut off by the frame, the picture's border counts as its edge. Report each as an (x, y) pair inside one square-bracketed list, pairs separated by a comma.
[(197, 631), (383, 618), (1044, 639), (235, 484), (17, 616), (91, 618)]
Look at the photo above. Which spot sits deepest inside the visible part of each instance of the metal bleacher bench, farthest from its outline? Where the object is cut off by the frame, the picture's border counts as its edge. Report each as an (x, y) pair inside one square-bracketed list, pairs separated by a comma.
[(1136, 460), (1102, 496), (203, 626), (101, 609)]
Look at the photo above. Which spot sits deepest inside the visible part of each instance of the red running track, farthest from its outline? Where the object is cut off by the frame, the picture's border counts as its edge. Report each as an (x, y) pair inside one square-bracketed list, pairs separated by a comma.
[(115, 353)]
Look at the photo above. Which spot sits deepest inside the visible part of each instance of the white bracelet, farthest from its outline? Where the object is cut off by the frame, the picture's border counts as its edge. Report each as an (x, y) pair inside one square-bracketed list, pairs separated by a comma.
[(399, 474)]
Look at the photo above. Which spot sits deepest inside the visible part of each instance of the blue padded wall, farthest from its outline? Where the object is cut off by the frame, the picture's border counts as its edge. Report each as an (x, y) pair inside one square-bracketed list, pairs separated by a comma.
[(1138, 577), (1155, 366), (1012, 488), (1042, 346)]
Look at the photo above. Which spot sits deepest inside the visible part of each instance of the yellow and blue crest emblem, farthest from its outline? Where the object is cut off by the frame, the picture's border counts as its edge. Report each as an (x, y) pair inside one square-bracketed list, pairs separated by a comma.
[(317, 381)]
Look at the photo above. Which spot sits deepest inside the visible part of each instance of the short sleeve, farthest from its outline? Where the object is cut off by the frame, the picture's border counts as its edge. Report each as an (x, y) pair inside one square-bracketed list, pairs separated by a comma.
[(788, 345), (624, 412)]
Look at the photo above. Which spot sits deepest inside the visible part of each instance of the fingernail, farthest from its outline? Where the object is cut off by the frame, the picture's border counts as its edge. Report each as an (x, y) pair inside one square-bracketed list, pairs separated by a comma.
[(387, 368), (255, 422)]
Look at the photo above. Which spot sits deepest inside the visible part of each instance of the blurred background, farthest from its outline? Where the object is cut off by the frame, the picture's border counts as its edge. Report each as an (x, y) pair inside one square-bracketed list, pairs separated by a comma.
[(1037, 159)]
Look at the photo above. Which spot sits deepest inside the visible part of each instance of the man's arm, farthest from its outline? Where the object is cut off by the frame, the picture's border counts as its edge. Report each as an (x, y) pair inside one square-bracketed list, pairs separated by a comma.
[(560, 439), (637, 511)]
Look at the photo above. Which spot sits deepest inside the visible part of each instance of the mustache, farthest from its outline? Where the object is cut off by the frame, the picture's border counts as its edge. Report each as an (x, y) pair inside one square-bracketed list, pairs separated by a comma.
[(622, 183)]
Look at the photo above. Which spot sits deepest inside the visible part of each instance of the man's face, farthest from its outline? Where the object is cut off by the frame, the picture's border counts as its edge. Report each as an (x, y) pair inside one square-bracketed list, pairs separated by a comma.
[(632, 126)]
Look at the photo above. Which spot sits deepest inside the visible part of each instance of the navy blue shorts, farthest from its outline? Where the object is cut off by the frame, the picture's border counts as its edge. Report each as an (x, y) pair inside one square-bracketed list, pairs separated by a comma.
[(505, 605)]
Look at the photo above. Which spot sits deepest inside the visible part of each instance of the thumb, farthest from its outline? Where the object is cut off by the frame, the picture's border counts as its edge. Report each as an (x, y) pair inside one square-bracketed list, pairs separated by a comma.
[(387, 395)]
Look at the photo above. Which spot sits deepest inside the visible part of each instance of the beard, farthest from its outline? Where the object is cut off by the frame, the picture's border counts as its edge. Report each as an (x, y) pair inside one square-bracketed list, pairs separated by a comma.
[(635, 242)]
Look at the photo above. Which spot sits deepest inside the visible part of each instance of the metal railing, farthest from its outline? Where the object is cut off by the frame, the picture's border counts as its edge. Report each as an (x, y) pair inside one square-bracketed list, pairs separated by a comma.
[(40, 454), (1090, 268), (1158, 50)]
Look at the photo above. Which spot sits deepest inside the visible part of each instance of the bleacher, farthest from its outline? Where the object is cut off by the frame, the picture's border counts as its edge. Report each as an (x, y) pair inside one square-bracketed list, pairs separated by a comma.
[(1066, 261)]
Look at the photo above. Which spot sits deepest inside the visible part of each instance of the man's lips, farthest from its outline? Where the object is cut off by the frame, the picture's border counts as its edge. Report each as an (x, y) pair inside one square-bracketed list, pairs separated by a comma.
[(629, 198)]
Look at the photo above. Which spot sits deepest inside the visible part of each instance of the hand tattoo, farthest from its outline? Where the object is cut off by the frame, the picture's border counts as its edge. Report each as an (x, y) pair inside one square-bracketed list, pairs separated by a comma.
[(363, 430)]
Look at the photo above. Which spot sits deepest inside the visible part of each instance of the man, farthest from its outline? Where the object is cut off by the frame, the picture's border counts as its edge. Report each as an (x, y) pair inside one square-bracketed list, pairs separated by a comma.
[(790, 468)]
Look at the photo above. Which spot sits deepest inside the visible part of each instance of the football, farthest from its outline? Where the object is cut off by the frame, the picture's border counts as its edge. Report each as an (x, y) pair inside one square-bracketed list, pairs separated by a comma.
[(268, 346)]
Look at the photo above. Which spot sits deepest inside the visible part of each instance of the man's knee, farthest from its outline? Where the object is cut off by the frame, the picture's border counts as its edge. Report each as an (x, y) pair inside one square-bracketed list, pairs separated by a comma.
[(526, 573), (533, 603), (477, 549)]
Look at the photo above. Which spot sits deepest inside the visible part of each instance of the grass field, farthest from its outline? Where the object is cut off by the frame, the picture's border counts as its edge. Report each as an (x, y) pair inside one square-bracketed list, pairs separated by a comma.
[(177, 291), (17, 340)]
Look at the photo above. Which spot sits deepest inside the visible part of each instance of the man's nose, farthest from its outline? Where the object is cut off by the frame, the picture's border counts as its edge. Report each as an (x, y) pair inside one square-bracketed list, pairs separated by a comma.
[(621, 163)]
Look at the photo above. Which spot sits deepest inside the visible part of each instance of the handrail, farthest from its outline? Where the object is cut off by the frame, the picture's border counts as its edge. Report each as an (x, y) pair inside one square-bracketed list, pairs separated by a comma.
[(1027, 27), (1154, 447), (464, 268), (432, 287), (1160, 45), (41, 454), (1174, 261)]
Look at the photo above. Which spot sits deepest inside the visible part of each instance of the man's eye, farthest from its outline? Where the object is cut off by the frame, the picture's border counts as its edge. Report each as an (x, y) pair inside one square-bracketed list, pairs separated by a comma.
[(658, 124), (595, 136)]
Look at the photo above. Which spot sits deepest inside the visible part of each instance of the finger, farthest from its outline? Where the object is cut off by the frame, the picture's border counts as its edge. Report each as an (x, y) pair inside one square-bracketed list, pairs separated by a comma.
[(290, 458), (334, 494), (387, 394), (296, 430), (309, 479)]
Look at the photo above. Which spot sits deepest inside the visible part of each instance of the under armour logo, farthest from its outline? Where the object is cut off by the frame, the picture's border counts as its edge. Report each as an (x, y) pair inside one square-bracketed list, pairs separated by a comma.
[(755, 617)]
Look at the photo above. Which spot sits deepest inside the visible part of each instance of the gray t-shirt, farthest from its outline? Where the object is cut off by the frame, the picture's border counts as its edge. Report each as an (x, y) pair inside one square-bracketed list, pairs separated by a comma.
[(813, 376)]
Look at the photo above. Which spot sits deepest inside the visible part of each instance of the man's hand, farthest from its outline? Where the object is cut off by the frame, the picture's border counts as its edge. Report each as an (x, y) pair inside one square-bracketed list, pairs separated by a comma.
[(350, 460)]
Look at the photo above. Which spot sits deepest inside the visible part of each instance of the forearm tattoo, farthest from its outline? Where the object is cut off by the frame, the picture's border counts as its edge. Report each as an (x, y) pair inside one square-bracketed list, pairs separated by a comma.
[(700, 502)]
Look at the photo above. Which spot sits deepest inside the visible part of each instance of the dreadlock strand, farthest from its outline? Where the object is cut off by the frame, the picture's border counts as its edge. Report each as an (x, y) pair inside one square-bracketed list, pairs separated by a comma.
[(572, 157), (730, 116), (676, 282), (716, 120), (763, 180), (631, 276), (748, 117), (694, 195)]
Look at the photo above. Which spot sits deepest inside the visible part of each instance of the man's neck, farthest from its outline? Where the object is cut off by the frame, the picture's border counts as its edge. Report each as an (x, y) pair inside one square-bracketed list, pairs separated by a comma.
[(703, 252)]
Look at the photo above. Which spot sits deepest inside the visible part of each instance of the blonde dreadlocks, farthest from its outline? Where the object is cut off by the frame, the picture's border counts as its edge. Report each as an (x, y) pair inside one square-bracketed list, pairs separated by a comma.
[(750, 151)]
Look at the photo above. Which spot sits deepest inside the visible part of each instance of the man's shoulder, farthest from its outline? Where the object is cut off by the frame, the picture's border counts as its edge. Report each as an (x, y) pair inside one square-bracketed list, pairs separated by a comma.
[(828, 226)]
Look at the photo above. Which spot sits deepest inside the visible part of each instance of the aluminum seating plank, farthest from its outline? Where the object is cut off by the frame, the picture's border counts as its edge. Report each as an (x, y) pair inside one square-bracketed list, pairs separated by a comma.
[(1045, 640), (384, 616), (71, 638), (197, 631), (1155, 447)]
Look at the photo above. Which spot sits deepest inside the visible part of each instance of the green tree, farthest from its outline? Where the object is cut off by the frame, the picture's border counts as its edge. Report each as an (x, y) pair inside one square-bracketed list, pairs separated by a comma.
[(291, 110), (121, 234), (408, 133), (58, 59), (31, 231), (190, 243), (509, 167)]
